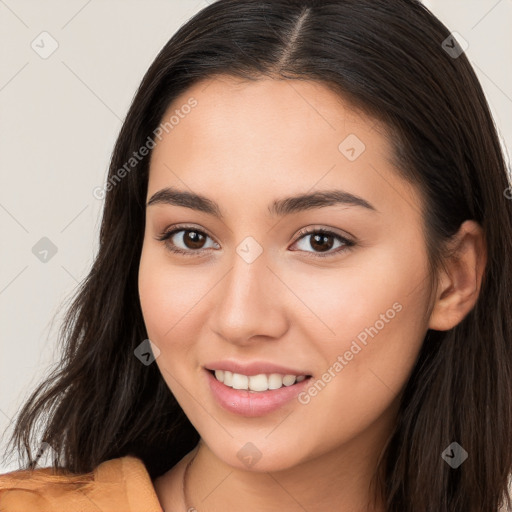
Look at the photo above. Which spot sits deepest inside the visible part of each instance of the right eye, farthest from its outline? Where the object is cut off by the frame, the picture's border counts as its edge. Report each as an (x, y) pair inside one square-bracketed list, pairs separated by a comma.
[(191, 239)]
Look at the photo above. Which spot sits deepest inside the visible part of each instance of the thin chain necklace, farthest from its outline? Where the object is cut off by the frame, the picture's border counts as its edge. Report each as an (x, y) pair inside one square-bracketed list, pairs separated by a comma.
[(184, 484)]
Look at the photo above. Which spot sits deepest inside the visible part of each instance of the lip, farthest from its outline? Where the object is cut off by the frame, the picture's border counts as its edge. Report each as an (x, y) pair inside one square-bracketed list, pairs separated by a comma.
[(254, 368), (250, 403)]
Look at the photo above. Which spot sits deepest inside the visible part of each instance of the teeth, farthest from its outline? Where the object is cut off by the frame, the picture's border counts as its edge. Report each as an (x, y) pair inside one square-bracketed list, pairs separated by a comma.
[(261, 382), (258, 382), (288, 380), (228, 378), (240, 381), (275, 381)]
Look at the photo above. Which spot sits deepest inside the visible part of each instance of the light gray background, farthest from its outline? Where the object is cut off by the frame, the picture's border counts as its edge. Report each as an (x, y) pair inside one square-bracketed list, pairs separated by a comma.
[(59, 118)]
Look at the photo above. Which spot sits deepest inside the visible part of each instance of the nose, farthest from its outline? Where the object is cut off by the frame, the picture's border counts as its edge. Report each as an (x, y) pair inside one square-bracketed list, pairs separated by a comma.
[(250, 303)]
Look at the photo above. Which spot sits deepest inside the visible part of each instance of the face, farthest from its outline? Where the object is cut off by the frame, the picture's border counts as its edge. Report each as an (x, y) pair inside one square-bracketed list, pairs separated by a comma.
[(331, 290)]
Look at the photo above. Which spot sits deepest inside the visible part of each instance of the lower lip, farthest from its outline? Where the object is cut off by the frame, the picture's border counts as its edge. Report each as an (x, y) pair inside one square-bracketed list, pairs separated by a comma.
[(252, 403)]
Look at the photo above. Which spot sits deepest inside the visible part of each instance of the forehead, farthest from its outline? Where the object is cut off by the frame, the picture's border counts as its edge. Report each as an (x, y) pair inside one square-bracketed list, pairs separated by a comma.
[(267, 135), (306, 109)]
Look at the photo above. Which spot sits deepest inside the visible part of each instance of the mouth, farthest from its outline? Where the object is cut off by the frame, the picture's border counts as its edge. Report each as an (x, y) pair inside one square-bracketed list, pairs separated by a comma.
[(254, 395), (257, 383), (255, 388)]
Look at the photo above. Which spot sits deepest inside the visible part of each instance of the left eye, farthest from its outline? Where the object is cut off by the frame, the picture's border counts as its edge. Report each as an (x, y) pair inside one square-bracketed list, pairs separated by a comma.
[(193, 241), (321, 240)]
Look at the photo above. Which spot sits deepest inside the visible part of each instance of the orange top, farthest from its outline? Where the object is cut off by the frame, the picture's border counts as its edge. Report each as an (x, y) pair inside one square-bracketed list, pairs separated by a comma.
[(117, 485)]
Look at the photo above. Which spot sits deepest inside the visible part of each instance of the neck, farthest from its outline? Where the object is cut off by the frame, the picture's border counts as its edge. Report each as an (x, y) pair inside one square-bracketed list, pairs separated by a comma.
[(337, 480)]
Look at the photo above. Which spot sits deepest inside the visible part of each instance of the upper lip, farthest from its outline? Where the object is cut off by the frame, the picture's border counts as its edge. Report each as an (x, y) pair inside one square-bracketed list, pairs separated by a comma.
[(253, 368)]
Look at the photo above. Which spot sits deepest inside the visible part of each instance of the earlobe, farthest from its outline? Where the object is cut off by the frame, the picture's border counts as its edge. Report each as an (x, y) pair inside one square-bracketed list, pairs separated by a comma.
[(461, 278)]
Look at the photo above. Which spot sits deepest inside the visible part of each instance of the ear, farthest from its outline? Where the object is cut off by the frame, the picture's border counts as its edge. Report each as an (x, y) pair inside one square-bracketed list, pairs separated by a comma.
[(461, 278)]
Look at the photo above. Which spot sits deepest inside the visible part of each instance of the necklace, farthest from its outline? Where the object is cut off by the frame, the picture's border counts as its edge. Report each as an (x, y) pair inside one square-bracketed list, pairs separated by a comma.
[(184, 483)]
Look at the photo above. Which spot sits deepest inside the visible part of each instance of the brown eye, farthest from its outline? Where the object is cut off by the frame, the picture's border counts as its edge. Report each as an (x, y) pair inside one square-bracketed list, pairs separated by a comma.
[(185, 240), (322, 241), (193, 239)]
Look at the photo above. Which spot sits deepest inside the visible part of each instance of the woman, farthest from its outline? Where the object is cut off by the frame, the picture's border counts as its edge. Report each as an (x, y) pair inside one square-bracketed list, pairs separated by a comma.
[(301, 299)]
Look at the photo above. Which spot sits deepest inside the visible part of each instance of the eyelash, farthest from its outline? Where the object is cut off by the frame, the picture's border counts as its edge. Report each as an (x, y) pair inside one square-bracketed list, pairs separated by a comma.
[(166, 235)]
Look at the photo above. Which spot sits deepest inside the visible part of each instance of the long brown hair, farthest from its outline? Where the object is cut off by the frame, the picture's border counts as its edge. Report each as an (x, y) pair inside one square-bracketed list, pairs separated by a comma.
[(389, 58)]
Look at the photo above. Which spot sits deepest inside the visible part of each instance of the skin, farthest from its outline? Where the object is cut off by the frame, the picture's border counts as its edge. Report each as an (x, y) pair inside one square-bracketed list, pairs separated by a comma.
[(244, 145)]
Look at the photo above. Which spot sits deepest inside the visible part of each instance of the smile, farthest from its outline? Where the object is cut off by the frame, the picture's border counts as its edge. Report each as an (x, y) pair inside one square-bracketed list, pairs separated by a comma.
[(256, 383), (256, 395)]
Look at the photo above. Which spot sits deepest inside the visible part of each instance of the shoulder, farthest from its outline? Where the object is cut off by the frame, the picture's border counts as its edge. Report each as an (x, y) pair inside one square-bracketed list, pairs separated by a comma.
[(121, 484)]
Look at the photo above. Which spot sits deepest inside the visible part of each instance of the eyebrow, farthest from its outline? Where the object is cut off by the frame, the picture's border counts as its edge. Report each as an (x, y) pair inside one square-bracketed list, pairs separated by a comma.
[(280, 207)]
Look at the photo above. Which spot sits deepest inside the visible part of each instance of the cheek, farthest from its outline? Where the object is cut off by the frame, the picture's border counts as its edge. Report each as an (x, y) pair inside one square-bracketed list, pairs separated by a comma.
[(172, 298), (363, 379), (154, 297), (376, 319), (366, 291), (167, 293), (166, 296)]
